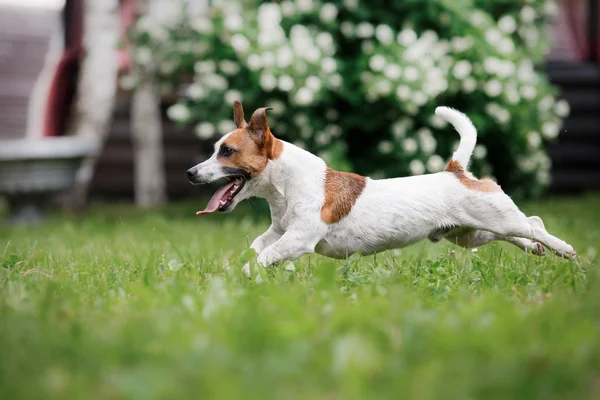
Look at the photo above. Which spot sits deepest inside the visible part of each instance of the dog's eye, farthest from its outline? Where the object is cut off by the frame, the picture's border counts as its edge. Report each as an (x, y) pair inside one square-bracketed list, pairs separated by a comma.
[(226, 151)]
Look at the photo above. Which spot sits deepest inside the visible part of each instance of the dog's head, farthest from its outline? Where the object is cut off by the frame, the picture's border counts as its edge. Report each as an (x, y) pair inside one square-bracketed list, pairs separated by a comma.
[(240, 157)]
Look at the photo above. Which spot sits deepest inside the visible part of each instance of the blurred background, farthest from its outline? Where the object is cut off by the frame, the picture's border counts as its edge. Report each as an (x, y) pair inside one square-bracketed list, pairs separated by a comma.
[(114, 100)]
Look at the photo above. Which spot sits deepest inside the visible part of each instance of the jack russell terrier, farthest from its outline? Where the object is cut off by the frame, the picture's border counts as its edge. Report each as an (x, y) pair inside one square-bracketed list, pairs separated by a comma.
[(317, 209)]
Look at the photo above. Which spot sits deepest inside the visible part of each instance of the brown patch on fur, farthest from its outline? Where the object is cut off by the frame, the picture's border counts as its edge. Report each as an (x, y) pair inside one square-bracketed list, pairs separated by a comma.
[(480, 185), (251, 154), (341, 191)]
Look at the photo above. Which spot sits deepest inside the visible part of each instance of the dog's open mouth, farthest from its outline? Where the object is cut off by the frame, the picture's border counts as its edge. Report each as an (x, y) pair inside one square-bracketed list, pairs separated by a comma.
[(224, 196)]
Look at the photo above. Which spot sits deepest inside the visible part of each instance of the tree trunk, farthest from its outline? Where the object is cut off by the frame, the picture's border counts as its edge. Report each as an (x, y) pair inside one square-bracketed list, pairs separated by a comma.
[(147, 135), (150, 186), (96, 89)]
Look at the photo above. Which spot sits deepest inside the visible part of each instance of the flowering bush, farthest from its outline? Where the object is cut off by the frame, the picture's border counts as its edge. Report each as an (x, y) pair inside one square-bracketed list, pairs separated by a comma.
[(357, 82)]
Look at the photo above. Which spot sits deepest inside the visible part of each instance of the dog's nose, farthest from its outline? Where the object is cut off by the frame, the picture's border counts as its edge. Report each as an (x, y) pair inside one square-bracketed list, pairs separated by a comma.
[(191, 173)]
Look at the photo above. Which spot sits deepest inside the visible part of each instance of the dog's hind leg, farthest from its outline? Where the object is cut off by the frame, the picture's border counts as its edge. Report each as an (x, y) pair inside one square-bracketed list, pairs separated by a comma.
[(499, 214), (469, 238)]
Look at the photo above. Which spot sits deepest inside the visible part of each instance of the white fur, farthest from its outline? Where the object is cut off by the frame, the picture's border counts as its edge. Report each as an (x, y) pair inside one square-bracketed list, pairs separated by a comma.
[(390, 213)]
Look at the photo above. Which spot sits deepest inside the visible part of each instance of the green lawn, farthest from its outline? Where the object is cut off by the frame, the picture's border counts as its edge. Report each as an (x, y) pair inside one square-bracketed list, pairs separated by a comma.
[(153, 305)]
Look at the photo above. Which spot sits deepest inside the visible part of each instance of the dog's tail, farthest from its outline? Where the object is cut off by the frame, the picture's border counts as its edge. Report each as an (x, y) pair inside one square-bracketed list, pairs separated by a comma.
[(467, 131)]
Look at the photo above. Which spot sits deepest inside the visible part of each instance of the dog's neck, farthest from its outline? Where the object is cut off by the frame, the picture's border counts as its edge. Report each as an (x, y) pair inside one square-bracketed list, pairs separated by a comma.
[(292, 169)]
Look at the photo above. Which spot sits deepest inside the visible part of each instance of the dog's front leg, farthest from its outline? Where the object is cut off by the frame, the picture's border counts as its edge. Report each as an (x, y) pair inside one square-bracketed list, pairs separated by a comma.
[(266, 239), (291, 245)]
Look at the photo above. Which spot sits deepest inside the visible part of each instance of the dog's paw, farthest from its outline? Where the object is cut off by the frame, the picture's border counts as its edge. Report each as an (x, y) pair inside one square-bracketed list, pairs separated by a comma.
[(538, 249)]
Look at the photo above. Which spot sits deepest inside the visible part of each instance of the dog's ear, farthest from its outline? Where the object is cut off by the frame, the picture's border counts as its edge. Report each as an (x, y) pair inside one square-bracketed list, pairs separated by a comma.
[(259, 126), (238, 115)]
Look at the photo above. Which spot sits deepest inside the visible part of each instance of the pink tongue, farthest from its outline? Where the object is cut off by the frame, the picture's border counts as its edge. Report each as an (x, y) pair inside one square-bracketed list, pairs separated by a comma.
[(214, 202)]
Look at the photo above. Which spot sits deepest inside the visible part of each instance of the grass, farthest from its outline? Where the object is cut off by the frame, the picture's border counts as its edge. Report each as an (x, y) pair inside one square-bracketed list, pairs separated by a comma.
[(125, 304)]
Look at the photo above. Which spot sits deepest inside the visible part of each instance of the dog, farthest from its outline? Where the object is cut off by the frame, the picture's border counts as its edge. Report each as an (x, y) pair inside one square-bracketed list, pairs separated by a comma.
[(336, 214)]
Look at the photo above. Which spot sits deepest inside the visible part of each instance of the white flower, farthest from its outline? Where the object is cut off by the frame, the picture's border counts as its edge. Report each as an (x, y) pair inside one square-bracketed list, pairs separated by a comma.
[(551, 8), (411, 73), (506, 68), (178, 113), (480, 152), (385, 147), (493, 88), (383, 87), (333, 130), (409, 146), (215, 81), (201, 25), (512, 94), (205, 130), (437, 122), (322, 138), (477, 18), (492, 109), (335, 80), (507, 24), (269, 13), (534, 140), (525, 71), (328, 12), (461, 44), (462, 69), (277, 106), (233, 22), (143, 55), (304, 96), (377, 62), (546, 103), (384, 34), (313, 83), (287, 8), (267, 81), (506, 46), (527, 14), (284, 56), (550, 130), (325, 42), (254, 62), (419, 98), (364, 30), (205, 67), (232, 95), (502, 115), (367, 46), (127, 82), (469, 85), (268, 59), (543, 177), (416, 167), (313, 54), (528, 92), (493, 36), (351, 4), (229, 67), (328, 65), (240, 43), (398, 130), (426, 140), (286, 83), (403, 92), (304, 5), (407, 37), (562, 108), (392, 71), (195, 91), (347, 29), (435, 163), (226, 126)]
